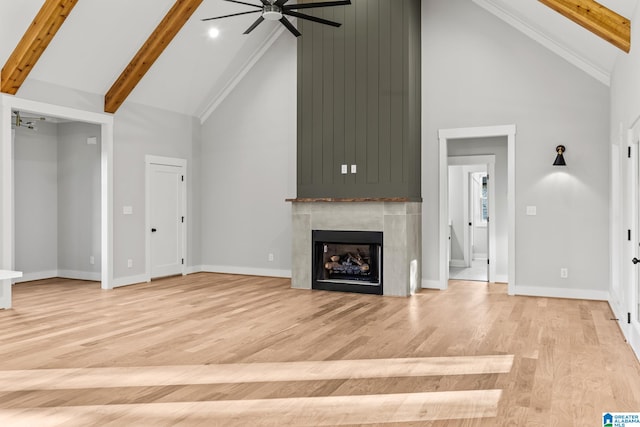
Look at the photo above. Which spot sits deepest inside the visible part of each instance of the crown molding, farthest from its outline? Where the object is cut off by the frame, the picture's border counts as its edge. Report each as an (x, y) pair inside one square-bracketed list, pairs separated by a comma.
[(564, 52)]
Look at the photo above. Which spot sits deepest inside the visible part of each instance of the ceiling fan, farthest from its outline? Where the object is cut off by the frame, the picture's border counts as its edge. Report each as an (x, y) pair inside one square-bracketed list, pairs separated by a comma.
[(26, 122), (275, 10)]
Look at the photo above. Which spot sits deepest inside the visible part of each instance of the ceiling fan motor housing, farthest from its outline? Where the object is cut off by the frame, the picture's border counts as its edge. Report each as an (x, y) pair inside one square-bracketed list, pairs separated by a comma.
[(272, 13)]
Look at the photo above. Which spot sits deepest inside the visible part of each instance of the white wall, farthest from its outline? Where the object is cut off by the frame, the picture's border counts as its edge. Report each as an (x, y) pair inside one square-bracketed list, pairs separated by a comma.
[(138, 130), (248, 169), (78, 201), (479, 71), (625, 111), (36, 200)]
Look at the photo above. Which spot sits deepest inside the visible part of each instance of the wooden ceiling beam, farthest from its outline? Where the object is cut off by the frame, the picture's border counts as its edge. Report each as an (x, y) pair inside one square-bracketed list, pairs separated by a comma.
[(35, 40), (151, 50), (600, 20)]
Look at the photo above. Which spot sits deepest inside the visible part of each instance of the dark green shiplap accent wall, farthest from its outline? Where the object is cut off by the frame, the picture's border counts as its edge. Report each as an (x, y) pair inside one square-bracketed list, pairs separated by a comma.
[(359, 101)]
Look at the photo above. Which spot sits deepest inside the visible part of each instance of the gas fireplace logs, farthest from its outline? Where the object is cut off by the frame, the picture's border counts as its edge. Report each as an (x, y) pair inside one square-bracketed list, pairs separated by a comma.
[(349, 263)]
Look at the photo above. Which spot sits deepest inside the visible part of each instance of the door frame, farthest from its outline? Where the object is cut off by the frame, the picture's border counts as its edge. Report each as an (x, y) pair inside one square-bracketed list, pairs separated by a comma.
[(489, 162), (166, 161), (444, 135), (9, 103)]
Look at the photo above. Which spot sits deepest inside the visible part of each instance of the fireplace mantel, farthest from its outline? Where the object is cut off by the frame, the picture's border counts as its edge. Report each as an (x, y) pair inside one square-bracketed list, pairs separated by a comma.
[(399, 221)]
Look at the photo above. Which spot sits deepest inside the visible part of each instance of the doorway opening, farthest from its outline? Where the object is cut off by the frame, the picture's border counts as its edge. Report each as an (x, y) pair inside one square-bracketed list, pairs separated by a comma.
[(471, 251), (469, 136), (105, 123)]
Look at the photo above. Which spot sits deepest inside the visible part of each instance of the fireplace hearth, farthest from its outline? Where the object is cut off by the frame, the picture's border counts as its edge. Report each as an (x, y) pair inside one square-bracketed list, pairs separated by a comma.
[(347, 261)]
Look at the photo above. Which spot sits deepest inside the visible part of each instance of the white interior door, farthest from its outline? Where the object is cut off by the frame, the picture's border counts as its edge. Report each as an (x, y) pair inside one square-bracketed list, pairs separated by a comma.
[(166, 219)]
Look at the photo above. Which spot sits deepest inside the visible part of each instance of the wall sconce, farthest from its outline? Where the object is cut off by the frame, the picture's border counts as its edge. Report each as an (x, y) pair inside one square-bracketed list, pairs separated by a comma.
[(560, 158)]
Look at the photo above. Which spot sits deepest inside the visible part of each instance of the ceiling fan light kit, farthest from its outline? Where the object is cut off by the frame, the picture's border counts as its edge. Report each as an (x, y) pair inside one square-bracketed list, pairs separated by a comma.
[(278, 10)]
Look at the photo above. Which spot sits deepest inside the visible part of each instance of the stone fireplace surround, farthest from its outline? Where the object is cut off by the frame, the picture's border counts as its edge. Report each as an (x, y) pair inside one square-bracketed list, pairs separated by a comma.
[(397, 218)]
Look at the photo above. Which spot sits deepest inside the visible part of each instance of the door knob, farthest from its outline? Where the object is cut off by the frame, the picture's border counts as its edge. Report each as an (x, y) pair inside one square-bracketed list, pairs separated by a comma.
[(153, 230), (635, 260)]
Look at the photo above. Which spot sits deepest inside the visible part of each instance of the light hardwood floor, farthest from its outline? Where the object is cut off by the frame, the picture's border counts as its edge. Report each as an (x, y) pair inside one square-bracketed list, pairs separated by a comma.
[(227, 350)]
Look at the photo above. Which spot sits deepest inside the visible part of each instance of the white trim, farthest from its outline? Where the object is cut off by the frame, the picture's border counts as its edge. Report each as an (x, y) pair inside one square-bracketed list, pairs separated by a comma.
[(634, 340), (603, 76), (226, 90), (193, 269), (167, 161), (79, 275), (246, 271), (555, 292), (457, 263), (477, 132), (501, 278), (431, 284), (130, 280), (10, 102), (38, 275)]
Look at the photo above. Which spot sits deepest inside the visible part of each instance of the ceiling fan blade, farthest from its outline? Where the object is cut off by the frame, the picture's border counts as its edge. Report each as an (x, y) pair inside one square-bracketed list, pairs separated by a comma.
[(318, 4), (290, 26), (311, 18), (254, 25), (280, 2), (247, 4), (233, 14)]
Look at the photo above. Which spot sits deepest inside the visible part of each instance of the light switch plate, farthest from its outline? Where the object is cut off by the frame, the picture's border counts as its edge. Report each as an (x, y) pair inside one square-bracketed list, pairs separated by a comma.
[(344, 169), (531, 210), (127, 210), (353, 168)]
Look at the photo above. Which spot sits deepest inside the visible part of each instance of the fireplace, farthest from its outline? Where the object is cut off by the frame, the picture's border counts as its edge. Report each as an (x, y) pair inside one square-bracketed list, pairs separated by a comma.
[(396, 221), (347, 261)]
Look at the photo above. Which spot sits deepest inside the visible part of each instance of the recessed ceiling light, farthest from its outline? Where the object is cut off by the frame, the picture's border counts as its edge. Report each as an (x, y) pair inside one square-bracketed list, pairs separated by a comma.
[(214, 32)]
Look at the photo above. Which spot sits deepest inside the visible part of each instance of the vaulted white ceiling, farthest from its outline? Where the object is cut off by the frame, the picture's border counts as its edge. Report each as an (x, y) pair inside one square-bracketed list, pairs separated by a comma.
[(100, 37), (574, 43)]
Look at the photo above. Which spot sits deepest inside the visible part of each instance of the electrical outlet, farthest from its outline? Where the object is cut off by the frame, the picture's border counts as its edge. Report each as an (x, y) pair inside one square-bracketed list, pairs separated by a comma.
[(271, 257), (92, 260), (129, 263), (564, 273)]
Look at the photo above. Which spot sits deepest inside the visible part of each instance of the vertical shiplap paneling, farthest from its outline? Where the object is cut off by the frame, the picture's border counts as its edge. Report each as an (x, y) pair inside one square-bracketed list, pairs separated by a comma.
[(413, 162), (373, 90), (350, 79), (328, 160), (305, 106), (360, 101), (317, 94), (406, 87), (384, 110), (397, 99), (339, 94), (362, 87)]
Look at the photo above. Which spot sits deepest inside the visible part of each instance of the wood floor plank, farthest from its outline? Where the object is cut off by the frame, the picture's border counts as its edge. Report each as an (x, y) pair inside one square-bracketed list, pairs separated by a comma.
[(569, 361)]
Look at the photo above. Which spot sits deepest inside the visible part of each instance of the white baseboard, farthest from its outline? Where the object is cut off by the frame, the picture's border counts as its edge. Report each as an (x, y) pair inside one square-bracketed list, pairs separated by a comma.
[(552, 292), (193, 269), (80, 275), (247, 271), (38, 275), (431, 284), (129, 280), (457, 263), (634, 340), (501, 278), (480, 256)]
